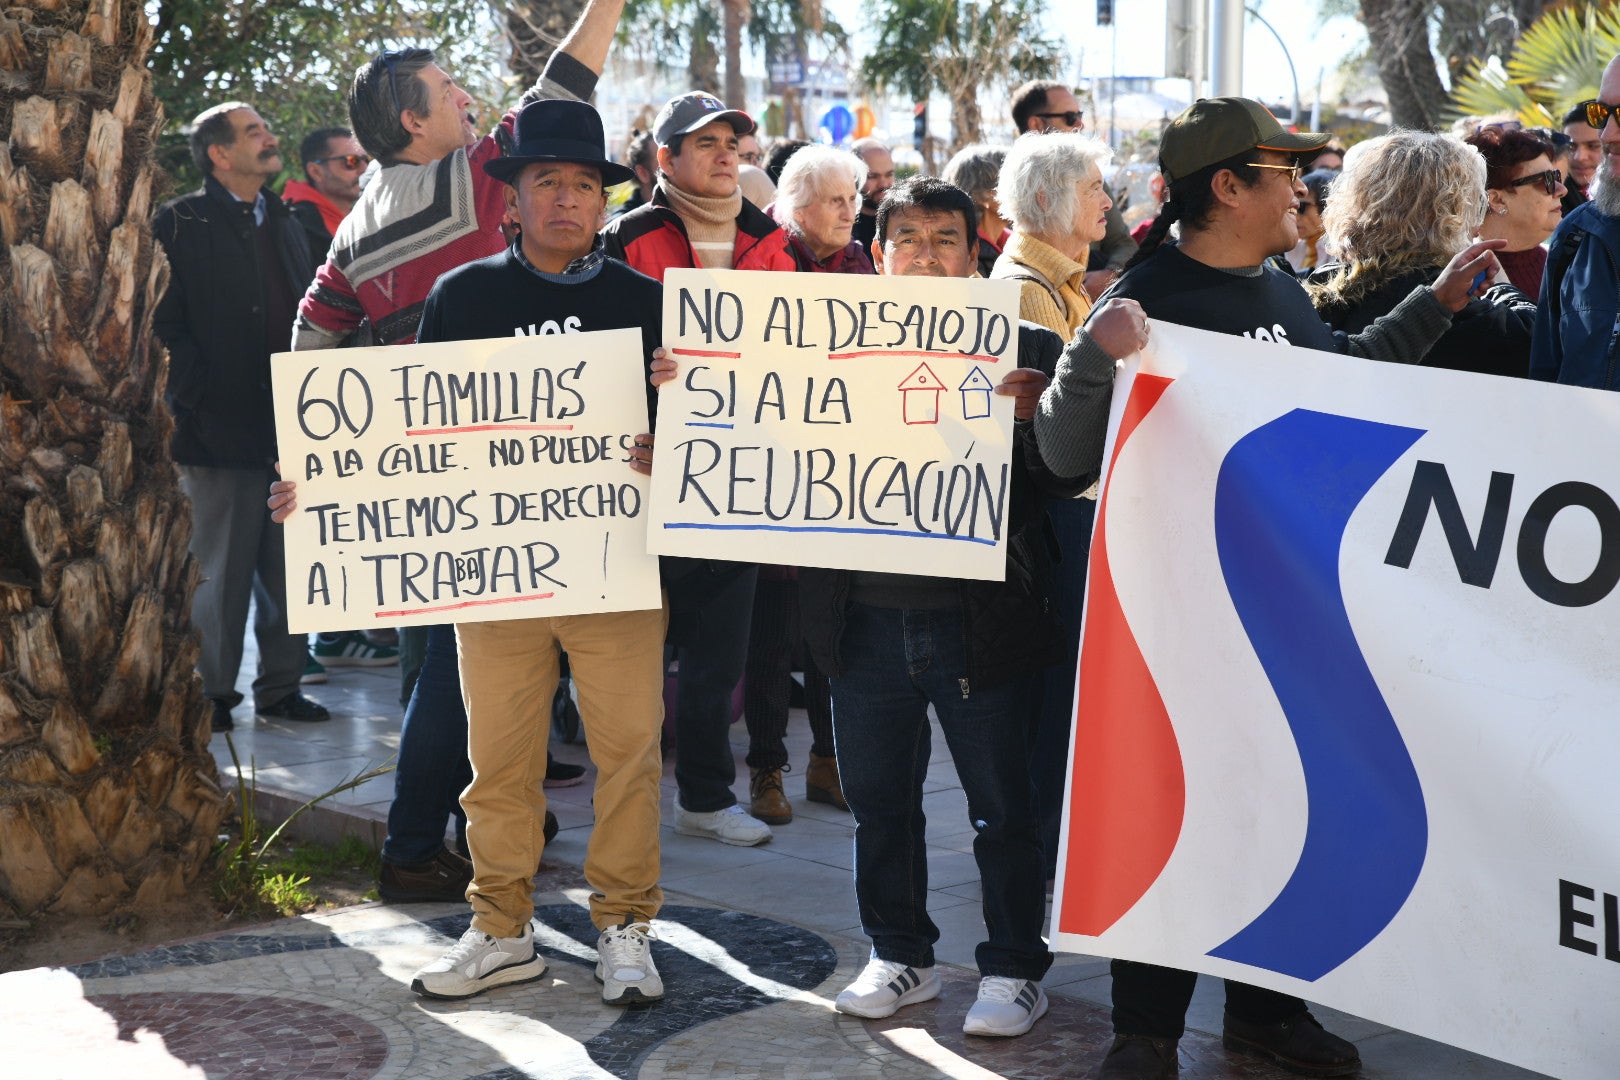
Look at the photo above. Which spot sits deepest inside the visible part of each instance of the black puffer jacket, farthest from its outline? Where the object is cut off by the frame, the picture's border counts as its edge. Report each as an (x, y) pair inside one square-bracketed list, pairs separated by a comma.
[(213, 320), (1490, 334), (1009, 625)]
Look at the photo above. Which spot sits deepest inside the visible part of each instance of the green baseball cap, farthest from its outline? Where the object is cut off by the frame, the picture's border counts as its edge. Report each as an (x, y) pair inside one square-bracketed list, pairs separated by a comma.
[(1214, 129)]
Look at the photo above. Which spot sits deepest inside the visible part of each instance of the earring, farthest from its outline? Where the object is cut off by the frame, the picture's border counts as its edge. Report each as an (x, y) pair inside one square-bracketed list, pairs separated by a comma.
[(1501, 209)]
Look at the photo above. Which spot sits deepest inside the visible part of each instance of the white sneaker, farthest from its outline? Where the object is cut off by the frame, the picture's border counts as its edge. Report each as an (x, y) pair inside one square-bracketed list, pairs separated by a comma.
[(885, 986), (733, 825), (479, 962), (1005, 1007), (625, 965)]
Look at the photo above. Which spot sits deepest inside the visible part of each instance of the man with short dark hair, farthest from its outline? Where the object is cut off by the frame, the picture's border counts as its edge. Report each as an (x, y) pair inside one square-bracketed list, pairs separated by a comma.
[(238, 263), (431, 209), (1045, 105), (698, 218), (333, 161), (896, 644), (642, 158), (1234, 188), (1585, 155), (879, 179)]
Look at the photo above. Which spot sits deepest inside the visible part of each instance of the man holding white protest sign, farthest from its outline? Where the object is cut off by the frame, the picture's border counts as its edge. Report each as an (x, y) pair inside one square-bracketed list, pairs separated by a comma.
[(1234, 189), (554, 281)]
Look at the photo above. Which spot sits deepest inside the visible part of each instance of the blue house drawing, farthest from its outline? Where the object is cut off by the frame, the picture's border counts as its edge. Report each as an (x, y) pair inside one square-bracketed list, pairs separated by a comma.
[(976, 390)]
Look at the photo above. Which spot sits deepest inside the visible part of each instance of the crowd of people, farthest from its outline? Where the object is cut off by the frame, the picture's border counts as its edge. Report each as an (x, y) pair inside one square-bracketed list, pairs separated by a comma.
[(1479, 254)]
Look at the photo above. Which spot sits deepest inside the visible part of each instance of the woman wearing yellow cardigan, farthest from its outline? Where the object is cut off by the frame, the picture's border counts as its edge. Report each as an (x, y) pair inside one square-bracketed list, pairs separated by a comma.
[(1052, 190)]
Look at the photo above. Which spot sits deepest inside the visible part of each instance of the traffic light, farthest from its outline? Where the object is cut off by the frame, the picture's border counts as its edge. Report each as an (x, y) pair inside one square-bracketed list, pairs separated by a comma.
[(919, 124), (1105, 12)]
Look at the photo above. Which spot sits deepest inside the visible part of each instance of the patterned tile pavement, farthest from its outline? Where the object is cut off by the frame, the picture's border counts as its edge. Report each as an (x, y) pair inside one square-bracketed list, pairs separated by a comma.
[(753, 944)]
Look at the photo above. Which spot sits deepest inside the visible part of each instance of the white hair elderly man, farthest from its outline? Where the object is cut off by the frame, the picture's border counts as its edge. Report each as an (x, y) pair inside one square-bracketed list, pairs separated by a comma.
[(1051, 189), (817, 201)]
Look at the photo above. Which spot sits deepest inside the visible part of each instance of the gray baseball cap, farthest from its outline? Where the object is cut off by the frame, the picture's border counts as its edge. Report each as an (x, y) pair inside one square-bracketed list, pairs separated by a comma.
[(685, 114)]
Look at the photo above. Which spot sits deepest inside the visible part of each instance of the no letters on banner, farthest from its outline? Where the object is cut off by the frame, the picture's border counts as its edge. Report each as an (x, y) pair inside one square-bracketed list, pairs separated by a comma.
[(839, 421), (1347, 708), (464, 481)]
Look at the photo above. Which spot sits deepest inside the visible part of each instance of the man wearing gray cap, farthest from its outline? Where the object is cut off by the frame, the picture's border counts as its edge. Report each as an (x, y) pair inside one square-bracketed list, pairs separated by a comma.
[(697, 217)]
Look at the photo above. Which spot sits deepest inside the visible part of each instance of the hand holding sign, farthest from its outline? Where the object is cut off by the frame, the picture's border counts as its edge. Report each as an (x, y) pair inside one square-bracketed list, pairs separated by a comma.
[(828, 421), (464, 481)]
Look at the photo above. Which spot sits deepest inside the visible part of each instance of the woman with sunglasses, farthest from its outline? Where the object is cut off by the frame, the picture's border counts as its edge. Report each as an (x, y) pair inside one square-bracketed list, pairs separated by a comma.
[(1388, 250), (1526, 192)]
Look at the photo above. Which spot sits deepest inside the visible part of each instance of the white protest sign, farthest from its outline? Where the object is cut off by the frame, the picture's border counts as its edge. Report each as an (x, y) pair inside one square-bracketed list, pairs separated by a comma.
[(464, 481), (1348, 697), (836, 420)]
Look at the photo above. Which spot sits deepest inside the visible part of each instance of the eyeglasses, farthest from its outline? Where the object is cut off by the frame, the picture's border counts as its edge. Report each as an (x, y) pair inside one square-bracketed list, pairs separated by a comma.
[(351, 161), (1294, 171), (1071, 118), (1598, 112), (1304, 206), (1549, 180), (1503, 125), (389, 59)]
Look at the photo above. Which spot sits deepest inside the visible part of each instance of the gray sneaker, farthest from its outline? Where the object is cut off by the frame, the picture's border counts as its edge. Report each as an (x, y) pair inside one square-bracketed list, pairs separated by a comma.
[(625, 965), (479, 962)]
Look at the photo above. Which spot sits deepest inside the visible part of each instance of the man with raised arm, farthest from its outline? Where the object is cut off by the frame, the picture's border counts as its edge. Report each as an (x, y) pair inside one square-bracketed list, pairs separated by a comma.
[(431, 209)]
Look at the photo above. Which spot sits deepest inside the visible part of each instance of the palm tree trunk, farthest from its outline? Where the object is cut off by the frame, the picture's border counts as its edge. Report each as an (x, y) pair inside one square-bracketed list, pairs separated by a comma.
[(108, 795), (1399, 32), (736, 14), (536, 28)]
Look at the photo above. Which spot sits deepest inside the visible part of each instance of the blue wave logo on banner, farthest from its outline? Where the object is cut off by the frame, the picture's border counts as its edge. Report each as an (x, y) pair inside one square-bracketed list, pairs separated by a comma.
[(1283, 498)]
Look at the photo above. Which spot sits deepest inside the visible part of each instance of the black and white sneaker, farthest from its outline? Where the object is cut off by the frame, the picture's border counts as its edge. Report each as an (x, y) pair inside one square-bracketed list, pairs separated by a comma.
[(1005, 1007), (885, 986), (479, 962)]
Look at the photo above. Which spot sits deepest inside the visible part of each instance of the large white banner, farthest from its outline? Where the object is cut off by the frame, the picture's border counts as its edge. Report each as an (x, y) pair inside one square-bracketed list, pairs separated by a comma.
[(1348, 717), (464, 481), (837, 420)]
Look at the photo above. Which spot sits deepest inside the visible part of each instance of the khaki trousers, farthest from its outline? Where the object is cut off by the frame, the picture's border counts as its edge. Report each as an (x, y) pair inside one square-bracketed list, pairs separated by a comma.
[(509, 673)]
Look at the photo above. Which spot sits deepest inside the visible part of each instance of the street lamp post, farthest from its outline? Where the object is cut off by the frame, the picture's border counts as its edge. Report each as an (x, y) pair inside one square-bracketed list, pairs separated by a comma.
[(1286, 56)]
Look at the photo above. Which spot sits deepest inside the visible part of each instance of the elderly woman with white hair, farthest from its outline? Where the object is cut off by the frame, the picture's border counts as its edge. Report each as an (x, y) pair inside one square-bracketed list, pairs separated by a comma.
[(1389, 248), (817, 199), (1051, 190)]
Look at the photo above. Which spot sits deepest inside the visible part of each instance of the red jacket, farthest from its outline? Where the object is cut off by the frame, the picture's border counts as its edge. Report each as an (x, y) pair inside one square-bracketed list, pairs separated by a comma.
[(652, 239)]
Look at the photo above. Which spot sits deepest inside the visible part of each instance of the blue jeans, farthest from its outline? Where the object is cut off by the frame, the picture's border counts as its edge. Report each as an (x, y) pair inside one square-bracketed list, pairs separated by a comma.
[(711, 666), (897, 663), (1053, 688), (432, 769)]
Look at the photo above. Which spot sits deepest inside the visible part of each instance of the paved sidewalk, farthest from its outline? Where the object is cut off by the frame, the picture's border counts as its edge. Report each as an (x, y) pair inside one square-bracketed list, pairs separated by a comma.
[(754, 943)]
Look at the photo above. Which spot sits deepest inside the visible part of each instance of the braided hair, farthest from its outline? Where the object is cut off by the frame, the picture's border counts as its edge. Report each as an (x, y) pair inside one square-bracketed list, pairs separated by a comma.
[(1190, 200)]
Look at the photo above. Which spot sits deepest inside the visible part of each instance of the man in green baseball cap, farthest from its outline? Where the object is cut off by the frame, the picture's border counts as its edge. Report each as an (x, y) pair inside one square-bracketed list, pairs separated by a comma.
[(1233, 176)]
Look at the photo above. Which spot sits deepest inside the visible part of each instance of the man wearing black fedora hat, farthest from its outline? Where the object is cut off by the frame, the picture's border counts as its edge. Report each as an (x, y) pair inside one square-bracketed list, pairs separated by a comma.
[(430, 209), (554, 279)]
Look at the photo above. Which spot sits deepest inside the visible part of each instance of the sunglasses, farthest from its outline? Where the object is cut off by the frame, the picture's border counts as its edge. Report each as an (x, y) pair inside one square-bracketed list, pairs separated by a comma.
[(1071, 118), (1294, 171), (1549, 179), (1598, 112), (1304, 206), (351, 161), (389, 59)]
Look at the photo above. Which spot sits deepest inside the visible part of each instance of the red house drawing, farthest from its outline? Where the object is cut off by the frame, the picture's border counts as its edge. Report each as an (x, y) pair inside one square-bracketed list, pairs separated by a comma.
[(919, 393)]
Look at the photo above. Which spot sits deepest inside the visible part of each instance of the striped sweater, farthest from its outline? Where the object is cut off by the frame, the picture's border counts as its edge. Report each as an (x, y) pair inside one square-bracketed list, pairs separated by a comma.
[(414, 223)]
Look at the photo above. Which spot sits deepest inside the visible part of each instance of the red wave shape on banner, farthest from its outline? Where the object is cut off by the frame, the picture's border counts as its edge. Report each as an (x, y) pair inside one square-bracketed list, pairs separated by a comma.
[(1128, 791)]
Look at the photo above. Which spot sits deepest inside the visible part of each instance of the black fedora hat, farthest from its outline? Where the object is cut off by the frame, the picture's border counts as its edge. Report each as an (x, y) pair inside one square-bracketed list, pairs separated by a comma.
[(559, 129)]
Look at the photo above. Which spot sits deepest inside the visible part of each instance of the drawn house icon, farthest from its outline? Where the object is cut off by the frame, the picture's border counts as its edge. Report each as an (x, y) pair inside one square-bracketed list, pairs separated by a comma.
[(920, 393), (975, 394)]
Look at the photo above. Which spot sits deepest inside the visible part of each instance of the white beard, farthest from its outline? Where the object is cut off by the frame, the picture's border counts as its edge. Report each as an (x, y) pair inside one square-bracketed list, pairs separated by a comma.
[(1605, 191)]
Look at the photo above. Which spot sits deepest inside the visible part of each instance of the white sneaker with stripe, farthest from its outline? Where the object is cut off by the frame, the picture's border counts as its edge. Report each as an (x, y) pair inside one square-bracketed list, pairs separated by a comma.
[(1005, 1007), (886, 985)]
